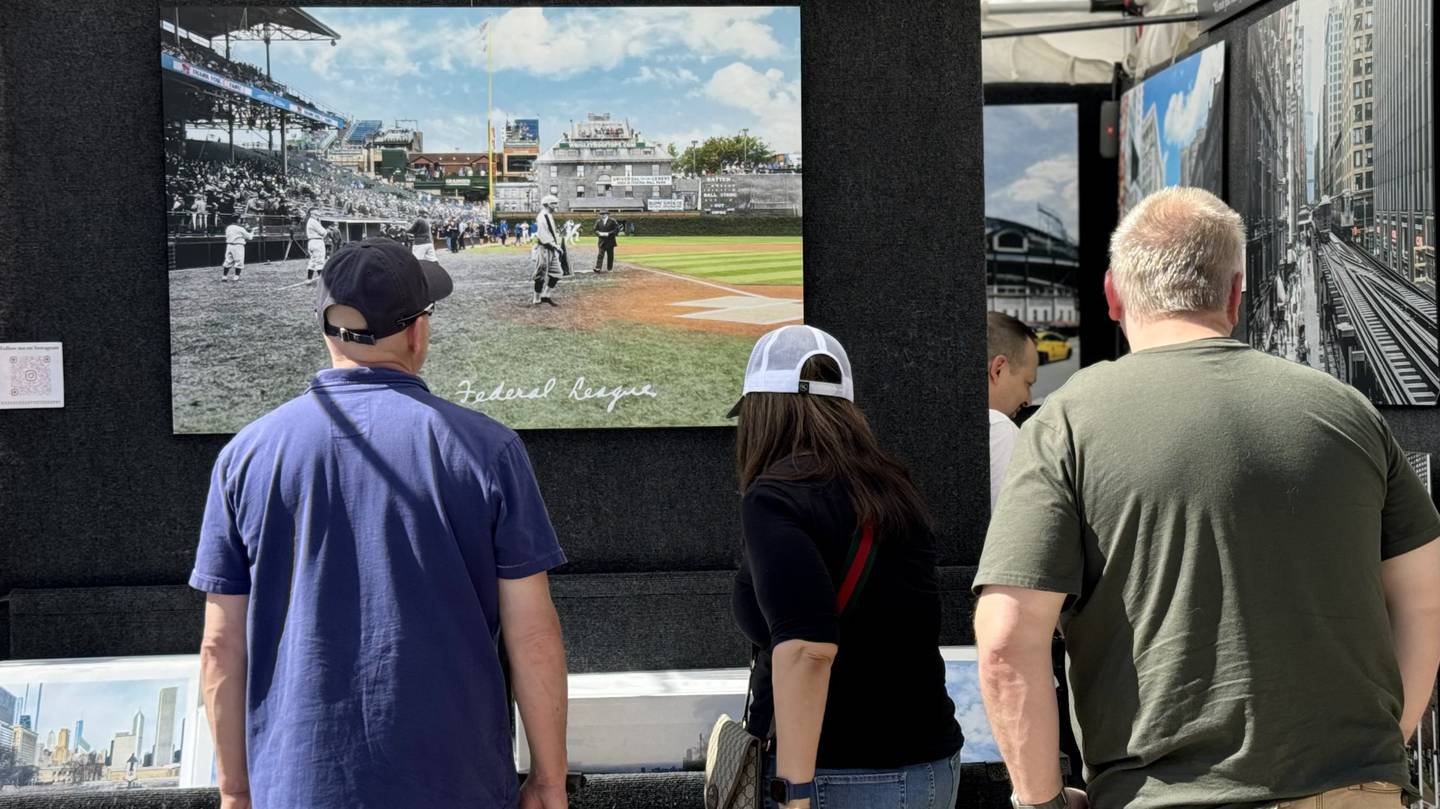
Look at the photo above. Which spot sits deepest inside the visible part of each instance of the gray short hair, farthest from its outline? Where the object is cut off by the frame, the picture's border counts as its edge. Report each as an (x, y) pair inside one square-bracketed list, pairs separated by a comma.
[(1177, 251)]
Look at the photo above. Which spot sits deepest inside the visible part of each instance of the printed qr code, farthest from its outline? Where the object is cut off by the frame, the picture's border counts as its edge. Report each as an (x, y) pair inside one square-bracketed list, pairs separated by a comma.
[(30, 376)]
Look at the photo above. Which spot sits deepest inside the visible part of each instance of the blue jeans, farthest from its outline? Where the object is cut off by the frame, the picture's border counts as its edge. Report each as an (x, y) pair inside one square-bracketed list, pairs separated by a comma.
[(919, 786)]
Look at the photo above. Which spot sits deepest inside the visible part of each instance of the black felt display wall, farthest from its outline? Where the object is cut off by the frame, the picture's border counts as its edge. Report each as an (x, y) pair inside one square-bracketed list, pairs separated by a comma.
[(101, 493)]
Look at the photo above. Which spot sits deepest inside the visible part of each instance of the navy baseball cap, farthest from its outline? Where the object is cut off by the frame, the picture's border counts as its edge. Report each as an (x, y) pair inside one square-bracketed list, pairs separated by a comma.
[(382, 280)]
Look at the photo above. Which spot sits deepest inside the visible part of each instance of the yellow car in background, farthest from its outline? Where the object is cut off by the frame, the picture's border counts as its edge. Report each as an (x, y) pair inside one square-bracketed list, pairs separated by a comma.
[(1052, 347)]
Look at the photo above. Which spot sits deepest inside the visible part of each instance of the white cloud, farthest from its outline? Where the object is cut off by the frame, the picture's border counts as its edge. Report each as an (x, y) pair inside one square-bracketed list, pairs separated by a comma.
[(1187, 112), (386, 46), (773, 100), (1054, 182), (663, 76), (561, 45)]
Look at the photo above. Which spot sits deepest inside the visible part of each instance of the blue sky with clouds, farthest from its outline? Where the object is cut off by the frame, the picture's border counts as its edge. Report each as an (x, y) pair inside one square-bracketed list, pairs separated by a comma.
[(1181, 96), (678, 74), (1030, 158)]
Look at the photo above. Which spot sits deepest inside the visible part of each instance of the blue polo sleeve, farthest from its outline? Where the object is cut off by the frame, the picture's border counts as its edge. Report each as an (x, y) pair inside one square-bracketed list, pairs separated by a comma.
[(525, 542), (222, 564)]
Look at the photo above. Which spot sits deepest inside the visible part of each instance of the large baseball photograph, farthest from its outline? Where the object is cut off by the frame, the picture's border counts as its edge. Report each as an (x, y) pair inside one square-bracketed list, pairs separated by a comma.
[(616, 192)]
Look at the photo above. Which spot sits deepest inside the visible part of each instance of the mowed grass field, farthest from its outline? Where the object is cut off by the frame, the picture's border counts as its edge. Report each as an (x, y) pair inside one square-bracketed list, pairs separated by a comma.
[(240, 350), (755, 260)]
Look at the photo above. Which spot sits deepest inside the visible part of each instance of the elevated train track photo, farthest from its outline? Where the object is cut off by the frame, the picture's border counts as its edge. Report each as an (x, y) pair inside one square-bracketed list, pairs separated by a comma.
[(1394, 321)]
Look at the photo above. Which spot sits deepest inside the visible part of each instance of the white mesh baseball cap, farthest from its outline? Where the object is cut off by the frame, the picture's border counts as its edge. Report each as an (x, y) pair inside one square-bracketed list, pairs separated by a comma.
[(778, 357)]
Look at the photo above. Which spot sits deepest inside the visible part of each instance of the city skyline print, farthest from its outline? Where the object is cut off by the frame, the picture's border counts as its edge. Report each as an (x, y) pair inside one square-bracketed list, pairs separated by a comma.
[(1172, 129), (1340, 201), (61, 733)]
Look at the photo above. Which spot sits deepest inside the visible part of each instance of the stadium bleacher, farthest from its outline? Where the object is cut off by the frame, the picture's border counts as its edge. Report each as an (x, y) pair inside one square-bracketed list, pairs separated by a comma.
[(360, 130)]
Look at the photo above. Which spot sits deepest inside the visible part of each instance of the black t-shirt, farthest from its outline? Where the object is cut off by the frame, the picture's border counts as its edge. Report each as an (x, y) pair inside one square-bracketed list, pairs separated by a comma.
[(887, 705)]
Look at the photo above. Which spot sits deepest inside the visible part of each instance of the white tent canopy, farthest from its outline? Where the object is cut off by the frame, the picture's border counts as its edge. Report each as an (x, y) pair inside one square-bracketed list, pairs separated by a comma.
[(1081, 57)]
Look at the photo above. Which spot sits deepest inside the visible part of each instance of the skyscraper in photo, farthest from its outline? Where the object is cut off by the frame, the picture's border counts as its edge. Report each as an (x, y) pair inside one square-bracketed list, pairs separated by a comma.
[(137, 730), (8, 702), (165, 727), (1357, 149), (1404, 195)]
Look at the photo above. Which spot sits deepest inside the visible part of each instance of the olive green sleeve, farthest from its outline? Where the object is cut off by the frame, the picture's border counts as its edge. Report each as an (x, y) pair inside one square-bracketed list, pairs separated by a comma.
[(1408, 519)]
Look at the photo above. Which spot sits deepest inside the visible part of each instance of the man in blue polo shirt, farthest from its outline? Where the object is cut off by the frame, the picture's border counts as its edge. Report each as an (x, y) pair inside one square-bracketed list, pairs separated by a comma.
[(375, 542)]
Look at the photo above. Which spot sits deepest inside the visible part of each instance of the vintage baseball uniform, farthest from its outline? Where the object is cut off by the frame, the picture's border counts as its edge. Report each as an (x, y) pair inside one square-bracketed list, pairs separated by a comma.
[(235, 238), (315, 244)]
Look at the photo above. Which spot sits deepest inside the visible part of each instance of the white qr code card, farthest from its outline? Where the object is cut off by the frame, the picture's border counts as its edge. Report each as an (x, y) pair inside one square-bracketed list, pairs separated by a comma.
[(31, 375)]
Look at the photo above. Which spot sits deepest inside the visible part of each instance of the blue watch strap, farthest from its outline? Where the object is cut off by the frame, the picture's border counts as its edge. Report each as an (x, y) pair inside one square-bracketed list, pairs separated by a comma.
[(782, 791)]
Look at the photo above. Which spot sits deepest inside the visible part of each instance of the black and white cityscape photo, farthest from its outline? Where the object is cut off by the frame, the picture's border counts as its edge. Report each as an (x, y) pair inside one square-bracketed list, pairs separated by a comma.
[(1341, 197)]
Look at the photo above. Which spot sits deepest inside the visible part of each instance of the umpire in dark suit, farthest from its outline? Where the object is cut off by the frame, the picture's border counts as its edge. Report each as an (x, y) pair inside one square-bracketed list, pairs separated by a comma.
[(606, 229)]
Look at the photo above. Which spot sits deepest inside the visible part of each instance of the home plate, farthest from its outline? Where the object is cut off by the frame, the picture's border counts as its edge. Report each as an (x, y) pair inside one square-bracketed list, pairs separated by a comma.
[(752, 309)]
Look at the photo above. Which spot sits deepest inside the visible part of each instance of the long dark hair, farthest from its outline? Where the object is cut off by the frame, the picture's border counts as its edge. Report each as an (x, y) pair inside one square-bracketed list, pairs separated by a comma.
[(827, 438)]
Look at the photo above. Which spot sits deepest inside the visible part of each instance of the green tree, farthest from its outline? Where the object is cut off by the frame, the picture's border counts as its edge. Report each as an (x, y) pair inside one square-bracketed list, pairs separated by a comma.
[(715, 154)]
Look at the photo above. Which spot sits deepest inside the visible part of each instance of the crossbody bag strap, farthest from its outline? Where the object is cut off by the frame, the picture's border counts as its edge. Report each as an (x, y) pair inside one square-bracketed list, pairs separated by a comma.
[(858, 563)]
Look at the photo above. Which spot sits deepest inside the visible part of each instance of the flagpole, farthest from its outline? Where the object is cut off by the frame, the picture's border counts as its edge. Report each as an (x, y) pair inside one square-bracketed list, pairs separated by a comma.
[(489, 101)]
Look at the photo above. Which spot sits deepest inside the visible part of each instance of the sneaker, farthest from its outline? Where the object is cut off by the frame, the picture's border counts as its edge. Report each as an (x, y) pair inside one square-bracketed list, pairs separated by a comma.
[(224, 279), (535, 301)]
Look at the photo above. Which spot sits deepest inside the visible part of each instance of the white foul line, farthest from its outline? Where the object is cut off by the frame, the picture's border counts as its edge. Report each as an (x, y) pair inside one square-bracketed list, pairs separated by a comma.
[(703, 283)]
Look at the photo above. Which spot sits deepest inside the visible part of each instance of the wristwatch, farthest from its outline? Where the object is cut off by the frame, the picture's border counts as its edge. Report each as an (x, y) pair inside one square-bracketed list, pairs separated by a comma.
[(783, 792), (1057, 802)]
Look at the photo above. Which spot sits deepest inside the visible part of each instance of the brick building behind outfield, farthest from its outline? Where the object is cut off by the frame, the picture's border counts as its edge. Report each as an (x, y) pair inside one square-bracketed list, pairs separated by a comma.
[(604, 164)]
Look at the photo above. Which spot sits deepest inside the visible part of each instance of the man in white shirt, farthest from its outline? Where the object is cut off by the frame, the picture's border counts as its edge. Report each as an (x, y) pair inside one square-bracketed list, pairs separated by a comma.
[(1011, 371)]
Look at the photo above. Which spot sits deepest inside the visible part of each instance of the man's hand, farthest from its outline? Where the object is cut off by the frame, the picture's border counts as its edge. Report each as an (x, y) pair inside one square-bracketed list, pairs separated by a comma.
[(234, 800), (537, 795), (1076, 798)]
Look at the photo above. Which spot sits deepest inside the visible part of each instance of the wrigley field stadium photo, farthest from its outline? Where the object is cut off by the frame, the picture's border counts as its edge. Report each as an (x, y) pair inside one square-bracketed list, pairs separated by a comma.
[(665, 140)]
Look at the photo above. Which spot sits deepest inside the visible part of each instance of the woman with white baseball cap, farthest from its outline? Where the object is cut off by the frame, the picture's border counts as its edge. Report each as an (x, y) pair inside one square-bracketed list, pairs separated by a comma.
[(838, 593)]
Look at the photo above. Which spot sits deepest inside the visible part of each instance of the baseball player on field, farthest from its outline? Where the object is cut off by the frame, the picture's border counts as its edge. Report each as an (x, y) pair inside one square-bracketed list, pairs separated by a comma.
[(524, 233), (314, 245), (235, 237), (424, 246), (546, 253)]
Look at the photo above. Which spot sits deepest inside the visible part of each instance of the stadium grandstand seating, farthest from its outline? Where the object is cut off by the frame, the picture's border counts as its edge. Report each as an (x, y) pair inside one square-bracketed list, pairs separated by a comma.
[(359, 130), (253, 184)]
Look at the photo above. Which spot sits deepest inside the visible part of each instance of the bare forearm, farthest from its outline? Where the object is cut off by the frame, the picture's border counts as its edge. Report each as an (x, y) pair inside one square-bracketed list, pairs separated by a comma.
[(222, 679), (800, 679), (1019, 693), (1013, 628), (1417, 650), (537, 662)]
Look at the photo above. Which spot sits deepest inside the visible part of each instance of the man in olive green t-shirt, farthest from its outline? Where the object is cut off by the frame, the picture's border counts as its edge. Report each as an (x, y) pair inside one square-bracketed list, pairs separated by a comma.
[(1239, 557)]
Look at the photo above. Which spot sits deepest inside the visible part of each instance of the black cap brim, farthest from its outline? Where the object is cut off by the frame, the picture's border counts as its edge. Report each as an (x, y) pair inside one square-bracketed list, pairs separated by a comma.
[(437, 281), (735, 411)]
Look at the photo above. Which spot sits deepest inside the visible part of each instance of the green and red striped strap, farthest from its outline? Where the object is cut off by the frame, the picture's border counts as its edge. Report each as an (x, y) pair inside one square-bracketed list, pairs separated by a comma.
[(858, 563)]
